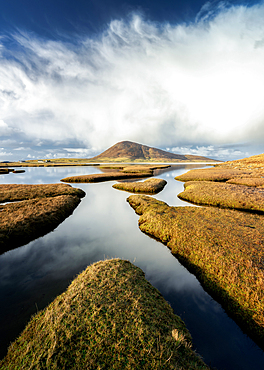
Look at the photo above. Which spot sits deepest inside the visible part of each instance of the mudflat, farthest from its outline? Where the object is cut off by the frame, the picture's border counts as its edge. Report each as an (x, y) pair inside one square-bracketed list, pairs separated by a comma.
[(110, 317)]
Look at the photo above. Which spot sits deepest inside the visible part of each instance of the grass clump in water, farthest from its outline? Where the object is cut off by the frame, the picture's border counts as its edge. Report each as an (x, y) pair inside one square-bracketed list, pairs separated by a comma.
[(223, 248), (34, 211), (108, 176), (16, 192), (116, 172), (149, 186), (110, 317)]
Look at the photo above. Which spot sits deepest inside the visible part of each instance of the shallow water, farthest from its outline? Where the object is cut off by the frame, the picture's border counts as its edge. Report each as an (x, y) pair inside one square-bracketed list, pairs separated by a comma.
[(102, 226)]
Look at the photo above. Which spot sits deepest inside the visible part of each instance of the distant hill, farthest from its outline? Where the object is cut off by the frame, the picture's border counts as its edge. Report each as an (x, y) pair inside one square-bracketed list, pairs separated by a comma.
[(128, 151), (255, 162)]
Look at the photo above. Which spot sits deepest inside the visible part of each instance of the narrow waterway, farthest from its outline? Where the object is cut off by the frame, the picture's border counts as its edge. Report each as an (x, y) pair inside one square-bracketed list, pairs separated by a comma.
[(105, 226)]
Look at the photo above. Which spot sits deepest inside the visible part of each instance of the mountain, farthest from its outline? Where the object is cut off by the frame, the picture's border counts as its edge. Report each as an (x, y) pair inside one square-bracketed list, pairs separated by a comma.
[(128, 151)]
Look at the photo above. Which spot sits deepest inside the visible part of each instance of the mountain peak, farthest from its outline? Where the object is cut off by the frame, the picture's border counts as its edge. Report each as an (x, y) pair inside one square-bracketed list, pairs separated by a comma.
[(128, 151)]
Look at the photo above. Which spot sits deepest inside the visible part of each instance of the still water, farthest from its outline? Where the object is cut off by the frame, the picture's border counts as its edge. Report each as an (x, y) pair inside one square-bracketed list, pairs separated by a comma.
[(105, 226)]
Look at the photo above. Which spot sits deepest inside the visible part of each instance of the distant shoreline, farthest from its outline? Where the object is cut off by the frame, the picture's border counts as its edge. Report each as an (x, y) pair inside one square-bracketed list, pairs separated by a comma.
[(84, 164)]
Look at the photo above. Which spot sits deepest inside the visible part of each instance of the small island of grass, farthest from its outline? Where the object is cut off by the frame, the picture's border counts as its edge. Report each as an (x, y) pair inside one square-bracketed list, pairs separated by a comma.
[(117, 172), (110, 317), (149, 186), (33, 211)]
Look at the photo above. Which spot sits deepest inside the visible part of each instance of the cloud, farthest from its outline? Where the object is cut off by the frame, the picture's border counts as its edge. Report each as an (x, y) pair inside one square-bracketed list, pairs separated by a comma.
[(214, 152), (196, 84)]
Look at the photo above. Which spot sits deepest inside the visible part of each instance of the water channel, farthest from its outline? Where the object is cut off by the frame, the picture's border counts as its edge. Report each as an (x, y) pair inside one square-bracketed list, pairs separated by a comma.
[(102, 226)]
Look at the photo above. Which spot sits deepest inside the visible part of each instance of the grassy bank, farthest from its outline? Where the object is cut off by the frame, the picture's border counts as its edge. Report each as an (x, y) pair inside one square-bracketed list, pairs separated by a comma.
[(38, 209), (108, 176), (213, 174), (252, 181), (224, 195), (223, 248), (254, 163), (16, 192), (110, 317), (115, 172), (149, 186)]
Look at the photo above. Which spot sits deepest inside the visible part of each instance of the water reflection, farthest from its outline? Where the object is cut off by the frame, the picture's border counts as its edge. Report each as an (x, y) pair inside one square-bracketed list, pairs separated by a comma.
[(104, 225)]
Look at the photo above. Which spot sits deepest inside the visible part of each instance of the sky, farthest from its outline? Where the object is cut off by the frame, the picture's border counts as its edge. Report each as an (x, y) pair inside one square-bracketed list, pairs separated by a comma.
[(78, 76)]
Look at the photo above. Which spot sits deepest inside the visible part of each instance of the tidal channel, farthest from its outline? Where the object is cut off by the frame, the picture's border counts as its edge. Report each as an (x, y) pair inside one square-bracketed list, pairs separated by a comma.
[(105, 226)]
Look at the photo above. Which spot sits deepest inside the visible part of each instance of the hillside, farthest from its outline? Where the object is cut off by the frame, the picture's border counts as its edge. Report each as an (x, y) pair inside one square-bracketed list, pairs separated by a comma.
[(253, 163), (127, 151)]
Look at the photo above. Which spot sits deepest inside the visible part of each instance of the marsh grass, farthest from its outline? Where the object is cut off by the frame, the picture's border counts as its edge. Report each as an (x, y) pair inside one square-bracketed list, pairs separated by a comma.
[(27, 220), (248, 181), (108, 176), (4, 171), (144, 168), (149, 186), (18, 171), (34, 211), (224, 195), (254, 163), (110, 317), (223, 248), (16, 192), (213, 174)]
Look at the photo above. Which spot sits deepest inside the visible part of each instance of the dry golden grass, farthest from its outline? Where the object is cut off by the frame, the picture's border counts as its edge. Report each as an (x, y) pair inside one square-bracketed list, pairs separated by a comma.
[(15, 192), (108, 176), (27, 220), (112, 167), (254, 163), (223, 248), (4, 171), (18, 171), (110, 317), (38, 209), (252, 181), (144, 168), (224, 195), (149, 186), (213, 174)]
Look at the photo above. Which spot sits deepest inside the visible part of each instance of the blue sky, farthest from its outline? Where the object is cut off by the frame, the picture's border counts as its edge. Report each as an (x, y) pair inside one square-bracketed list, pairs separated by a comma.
[(78, 76)]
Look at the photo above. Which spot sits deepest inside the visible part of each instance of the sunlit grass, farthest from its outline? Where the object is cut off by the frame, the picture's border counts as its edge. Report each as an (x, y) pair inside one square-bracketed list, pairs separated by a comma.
[(110, 317), (213, 174), (224, 248), (224, 195), (149, 186), (34, 210)]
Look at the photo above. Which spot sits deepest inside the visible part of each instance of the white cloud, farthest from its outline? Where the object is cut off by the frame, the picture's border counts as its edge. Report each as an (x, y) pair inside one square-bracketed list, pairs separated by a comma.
[(220, 153), (163, 85)]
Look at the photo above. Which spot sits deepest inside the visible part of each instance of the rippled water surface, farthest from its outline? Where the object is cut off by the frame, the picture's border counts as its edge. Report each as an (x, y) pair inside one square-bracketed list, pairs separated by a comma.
[(102, 226)]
